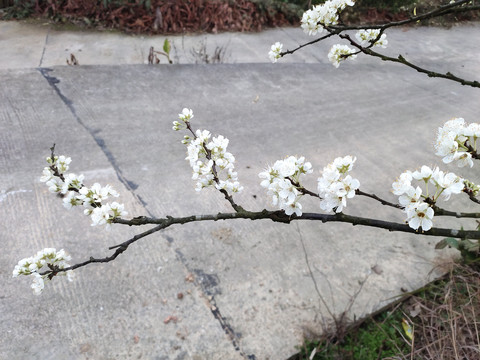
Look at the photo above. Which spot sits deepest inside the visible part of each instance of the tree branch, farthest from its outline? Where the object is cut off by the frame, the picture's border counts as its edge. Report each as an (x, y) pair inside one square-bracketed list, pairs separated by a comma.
[(309, 43), (276, 216), (442, 212), (400, 59), (440, 11), (375, 197)]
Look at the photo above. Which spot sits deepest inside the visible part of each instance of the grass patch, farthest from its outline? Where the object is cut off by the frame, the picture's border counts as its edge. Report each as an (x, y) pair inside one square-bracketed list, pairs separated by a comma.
[(444, 317)]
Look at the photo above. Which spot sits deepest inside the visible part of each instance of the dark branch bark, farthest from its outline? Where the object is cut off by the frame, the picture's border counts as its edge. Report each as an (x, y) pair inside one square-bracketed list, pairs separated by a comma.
[(375, 197), (440, 11), (276, 216)]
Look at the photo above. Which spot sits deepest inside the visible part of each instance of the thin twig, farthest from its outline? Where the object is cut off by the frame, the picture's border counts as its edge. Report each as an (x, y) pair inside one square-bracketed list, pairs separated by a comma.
[(313, 277), (375, 197), (401, 60), (308, 43), (440, 11)]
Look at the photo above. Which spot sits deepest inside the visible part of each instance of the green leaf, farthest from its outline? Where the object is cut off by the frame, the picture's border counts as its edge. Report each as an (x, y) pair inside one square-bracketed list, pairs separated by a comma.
[(469, 245), (166, 46), (452, 242)]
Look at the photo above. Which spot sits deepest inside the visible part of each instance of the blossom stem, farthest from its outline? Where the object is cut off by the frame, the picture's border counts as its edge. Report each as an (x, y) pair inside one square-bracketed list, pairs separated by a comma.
[(309, 43), (375, 197)]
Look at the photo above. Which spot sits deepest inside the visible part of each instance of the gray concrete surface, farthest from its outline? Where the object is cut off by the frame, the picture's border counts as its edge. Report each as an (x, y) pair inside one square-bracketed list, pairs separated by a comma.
[(252, 296)]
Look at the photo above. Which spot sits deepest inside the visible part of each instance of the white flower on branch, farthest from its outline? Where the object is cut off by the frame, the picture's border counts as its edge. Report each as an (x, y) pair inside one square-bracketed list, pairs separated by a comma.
[(282, 181), (339, 53), (314, 20), (62, 163), (47, 175), (411, 197), (425, 173), (420, 215), (46, 257), (72, 181), (402, 184), (457, 142), (448, 184), (186, 115), (275, 50), (71, 199), (335, 186), (367, 37), (210, 161)]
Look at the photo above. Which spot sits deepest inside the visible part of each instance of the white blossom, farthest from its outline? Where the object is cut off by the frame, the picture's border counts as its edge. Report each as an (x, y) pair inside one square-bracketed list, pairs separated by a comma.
[(71, 199), (55, 185), (275, 50), (335, 186), (282, 181), (403, 183), (448, 184), (314, 20), (339, 53), (211, 163), (38, 284), (411, 197), (72, 181), (186, 115), (62, 163), (420, 215), (367, 37), (463, 159), (425, 173), (32, 266), (47, 174)]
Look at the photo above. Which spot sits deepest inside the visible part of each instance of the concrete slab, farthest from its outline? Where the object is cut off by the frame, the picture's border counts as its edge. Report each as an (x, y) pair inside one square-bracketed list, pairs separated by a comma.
[(253, 295), (41, 45)]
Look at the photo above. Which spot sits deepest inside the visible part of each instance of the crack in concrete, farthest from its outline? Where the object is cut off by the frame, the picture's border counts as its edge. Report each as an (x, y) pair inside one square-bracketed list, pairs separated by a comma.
[(211, 280), (208, 284), (131, 186), (44, 48)]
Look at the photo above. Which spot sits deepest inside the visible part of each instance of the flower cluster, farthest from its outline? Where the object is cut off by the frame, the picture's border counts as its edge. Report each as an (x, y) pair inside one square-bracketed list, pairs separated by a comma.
[(420, 212), (456, 141), (185, 117), (49, 257), (282, 180), (274, 53), (314, 20), (339, 53), (209, 159), (75, 193), (320, 17), (336, 186), (367, 37)]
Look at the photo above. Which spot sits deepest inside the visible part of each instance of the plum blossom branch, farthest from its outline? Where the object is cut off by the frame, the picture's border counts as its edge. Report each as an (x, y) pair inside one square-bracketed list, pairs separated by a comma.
[(213, 166), (208, 157), (327, 17), (275, 216)]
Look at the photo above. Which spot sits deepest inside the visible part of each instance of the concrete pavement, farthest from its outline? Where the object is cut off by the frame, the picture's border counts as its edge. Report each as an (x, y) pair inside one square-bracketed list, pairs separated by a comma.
[(247, 289)]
